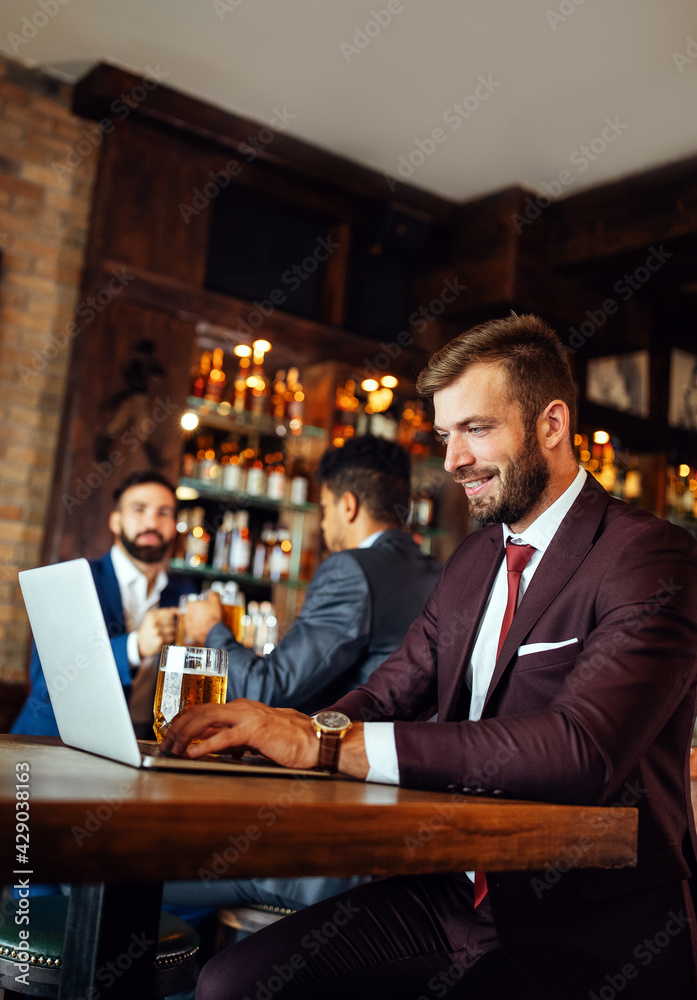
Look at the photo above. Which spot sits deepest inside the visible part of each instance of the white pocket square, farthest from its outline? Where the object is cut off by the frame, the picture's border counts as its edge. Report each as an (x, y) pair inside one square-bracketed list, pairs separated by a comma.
[(542, 647)]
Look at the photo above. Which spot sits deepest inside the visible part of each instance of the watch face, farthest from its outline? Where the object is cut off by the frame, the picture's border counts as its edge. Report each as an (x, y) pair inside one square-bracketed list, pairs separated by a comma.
[(332, 720)]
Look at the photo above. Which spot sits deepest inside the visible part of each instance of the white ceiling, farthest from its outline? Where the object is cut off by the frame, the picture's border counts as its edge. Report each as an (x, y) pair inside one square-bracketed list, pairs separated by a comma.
[(557, 76)]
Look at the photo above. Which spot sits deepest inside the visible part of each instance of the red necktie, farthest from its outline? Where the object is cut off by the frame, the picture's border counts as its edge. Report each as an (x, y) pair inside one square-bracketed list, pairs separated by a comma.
[(517, 558)]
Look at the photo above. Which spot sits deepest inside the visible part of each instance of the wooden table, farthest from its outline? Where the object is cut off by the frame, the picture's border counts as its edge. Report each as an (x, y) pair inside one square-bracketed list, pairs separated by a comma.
[(96, 821)]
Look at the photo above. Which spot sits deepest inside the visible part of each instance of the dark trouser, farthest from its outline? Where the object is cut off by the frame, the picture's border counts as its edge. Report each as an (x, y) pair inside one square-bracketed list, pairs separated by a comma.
[(408, 936)]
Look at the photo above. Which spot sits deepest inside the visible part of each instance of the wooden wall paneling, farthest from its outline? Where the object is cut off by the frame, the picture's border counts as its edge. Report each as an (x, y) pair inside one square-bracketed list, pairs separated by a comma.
[(114, 428), (335, 280), (138, 218), (308, 339), (629, 214), (167, 108)]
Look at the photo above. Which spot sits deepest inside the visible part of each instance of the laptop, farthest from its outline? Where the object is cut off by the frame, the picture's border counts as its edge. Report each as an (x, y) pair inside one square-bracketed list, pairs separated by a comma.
[(84, 684)]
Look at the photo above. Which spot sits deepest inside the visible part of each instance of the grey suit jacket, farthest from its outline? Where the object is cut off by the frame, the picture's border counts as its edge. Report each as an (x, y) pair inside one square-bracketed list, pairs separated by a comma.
[(357, 610)]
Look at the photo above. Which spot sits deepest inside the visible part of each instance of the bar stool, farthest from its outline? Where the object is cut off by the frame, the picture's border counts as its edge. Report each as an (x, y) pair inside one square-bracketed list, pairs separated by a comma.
[(247, 920), (177, 947)]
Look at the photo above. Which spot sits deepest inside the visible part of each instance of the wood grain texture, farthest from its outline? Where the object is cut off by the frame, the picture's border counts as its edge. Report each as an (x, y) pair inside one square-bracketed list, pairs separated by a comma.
[(93, 820)]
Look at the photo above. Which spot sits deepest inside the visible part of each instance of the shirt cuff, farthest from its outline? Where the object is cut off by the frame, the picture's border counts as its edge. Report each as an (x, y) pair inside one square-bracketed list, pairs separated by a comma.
[(132, 651), (381, 751)]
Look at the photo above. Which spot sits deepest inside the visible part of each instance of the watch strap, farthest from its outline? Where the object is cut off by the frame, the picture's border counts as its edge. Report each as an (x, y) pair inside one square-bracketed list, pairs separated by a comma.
[(329, 746)]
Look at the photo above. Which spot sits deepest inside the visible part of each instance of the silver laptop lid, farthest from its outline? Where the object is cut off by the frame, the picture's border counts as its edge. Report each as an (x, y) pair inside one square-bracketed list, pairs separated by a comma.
[(78, 662)]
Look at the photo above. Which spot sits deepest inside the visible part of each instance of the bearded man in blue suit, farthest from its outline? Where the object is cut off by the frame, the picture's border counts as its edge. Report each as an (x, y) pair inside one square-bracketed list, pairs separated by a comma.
[(137, 598)]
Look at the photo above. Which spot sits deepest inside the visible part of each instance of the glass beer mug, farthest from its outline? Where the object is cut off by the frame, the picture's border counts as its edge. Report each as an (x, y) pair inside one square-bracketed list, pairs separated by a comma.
[(188, 675)]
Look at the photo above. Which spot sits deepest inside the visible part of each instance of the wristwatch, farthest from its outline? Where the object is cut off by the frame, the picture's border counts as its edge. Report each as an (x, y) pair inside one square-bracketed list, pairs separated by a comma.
[(331, 727)]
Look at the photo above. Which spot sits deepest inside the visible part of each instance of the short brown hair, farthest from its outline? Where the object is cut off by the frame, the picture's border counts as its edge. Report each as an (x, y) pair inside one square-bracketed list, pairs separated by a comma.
[(530, 353)]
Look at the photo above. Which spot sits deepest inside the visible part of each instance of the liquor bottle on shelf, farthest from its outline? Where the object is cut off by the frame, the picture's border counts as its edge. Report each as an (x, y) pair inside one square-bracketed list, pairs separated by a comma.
[(276, 479), (300, 482), (346, 408), (295, 401), (240, 545), (234, 475), (279, 562), (240, 391), (278, 399), (258, 381), (198, 539), (221, 546), (198, 385), (210, 468), (260, 561), (183, 528), (215, 384), (256, 477)]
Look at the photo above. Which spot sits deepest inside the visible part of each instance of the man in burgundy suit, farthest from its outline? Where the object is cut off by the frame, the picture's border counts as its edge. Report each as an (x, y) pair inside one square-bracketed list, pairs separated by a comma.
[(561, 649)]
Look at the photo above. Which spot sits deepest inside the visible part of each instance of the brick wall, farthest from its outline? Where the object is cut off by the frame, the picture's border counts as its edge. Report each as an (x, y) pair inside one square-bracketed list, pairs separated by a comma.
[(46, 175)]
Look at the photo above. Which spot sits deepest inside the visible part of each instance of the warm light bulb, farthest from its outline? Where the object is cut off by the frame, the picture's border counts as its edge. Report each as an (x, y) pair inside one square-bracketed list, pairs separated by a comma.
[(369, 385), (389, 381), (243, 351), (189, 421), (601, 437), (684, 470), (261, 346)]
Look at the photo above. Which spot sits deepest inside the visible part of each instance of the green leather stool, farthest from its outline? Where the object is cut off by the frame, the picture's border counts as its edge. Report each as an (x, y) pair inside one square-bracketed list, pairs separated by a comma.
[(177, 947)]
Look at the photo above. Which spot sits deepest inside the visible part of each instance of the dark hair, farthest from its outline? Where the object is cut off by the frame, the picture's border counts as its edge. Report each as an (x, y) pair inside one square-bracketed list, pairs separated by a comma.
[(141, 478), (375, 470), (530, 353)]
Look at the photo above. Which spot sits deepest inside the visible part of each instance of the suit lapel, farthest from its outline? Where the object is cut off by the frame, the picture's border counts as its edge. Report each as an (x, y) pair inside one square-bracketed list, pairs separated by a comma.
[(109, 595), (565, 553), (468, 609)]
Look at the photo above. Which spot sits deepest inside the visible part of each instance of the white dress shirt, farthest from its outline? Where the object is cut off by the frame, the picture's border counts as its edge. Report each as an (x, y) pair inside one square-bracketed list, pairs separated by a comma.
[(136, 601), (379, 738)]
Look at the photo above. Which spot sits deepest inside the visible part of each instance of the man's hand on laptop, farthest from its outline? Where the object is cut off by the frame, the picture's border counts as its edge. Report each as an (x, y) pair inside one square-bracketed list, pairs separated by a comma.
[(282, 734), (157, 630)]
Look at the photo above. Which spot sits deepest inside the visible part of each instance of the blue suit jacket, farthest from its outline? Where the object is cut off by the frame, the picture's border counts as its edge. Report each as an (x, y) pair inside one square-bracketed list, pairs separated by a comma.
[(36, 717)]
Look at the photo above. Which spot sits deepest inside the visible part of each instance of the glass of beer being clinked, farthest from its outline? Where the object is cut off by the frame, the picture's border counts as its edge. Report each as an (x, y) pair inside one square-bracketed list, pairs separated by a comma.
[(188, 675)]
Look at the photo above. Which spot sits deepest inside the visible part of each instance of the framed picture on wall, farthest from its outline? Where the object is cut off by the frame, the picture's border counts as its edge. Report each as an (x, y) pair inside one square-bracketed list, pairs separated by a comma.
[(682, 405), (620, 381)]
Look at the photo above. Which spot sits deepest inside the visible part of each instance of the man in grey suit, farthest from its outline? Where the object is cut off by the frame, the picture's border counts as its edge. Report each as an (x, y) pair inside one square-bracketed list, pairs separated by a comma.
[(358, 607)]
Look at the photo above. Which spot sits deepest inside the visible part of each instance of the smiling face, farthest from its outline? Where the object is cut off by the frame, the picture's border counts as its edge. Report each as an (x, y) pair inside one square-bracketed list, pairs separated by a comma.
[(501, 466), (144, 522)]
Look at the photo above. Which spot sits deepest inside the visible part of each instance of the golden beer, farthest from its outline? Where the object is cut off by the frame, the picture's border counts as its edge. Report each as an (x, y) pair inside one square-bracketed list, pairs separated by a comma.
[(232, 618), (187, 676)]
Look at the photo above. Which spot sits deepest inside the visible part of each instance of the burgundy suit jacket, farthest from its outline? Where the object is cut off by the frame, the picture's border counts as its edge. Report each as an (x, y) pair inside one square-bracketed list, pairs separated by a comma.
[(605, 720)]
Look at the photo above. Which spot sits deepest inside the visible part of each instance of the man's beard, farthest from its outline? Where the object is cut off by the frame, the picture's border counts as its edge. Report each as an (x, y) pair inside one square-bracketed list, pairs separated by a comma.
[(526, 478), (144, 553)]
